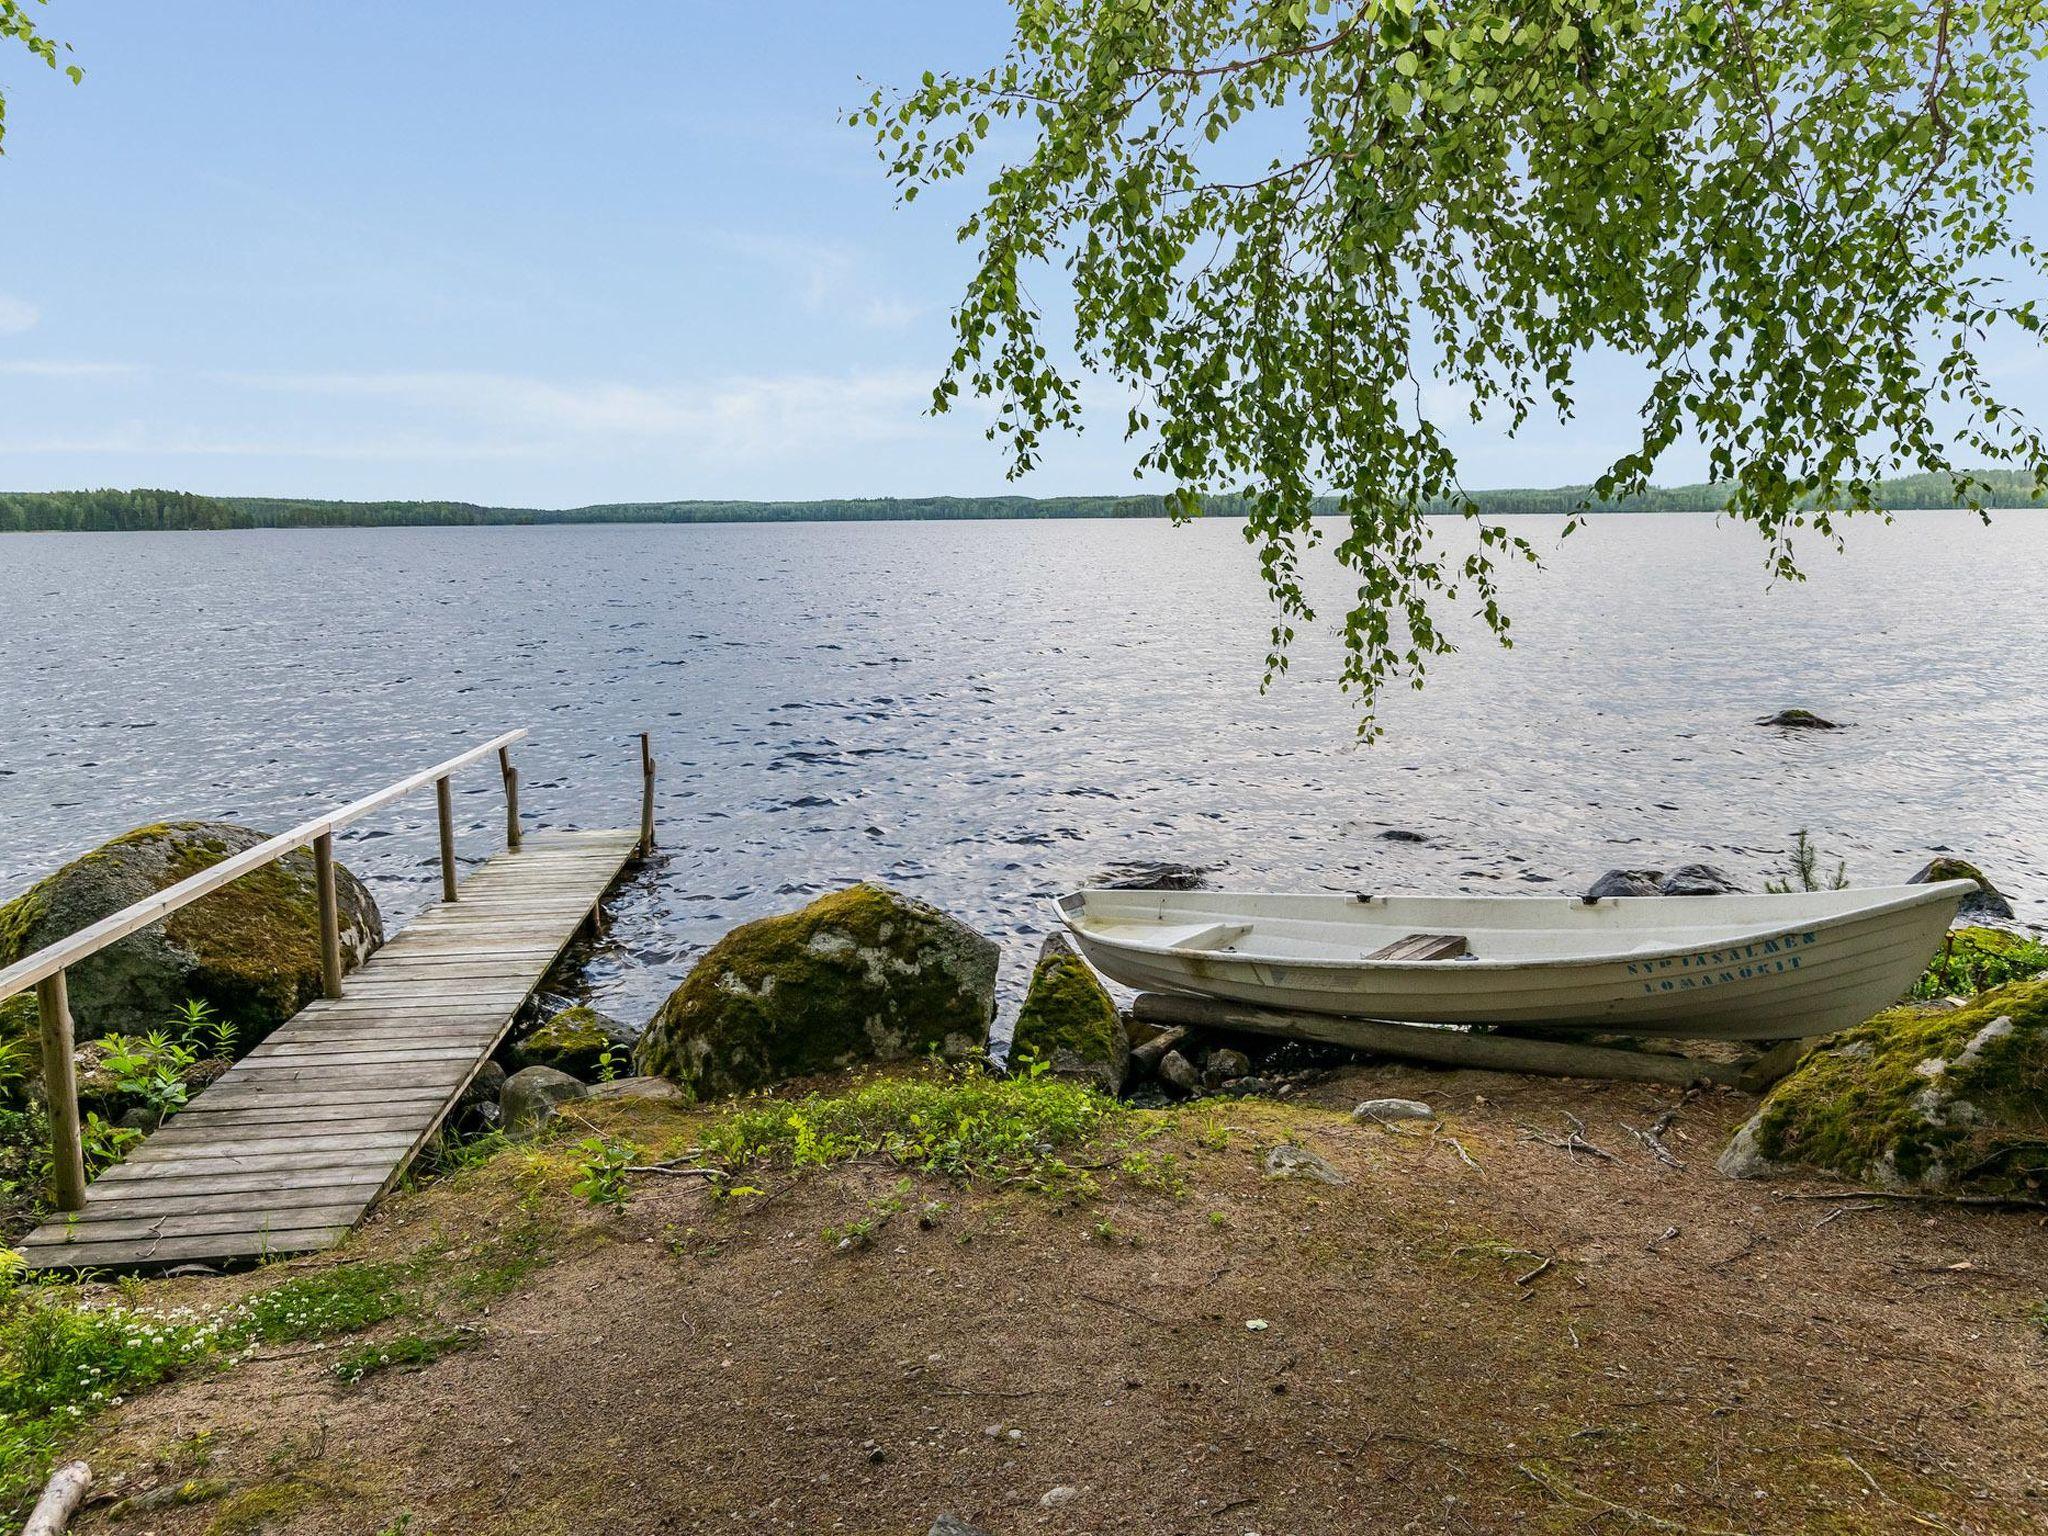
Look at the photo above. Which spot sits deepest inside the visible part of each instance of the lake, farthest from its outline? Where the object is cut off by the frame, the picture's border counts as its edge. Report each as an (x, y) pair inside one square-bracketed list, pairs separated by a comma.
[(987, 713)]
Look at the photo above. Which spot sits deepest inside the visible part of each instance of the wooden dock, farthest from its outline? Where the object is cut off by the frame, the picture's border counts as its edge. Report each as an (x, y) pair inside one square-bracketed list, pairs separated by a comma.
[(289, 1148), (286, 1152)]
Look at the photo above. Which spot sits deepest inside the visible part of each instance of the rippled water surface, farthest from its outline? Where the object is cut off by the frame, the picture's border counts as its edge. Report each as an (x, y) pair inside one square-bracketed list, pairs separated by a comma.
[(987, 713)]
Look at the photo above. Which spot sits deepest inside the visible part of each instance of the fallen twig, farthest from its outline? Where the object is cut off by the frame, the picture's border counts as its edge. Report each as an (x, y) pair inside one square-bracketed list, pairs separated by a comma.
[(1987, 1202), (674, 1171), (1571, 1143), (1532, 1274), (1843, 1210), (1122, 1306), (1457, 1146), (1648, 1140)]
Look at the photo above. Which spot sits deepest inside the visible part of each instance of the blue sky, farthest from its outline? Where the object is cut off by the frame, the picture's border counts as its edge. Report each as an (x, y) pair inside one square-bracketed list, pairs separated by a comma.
[(516, 254)]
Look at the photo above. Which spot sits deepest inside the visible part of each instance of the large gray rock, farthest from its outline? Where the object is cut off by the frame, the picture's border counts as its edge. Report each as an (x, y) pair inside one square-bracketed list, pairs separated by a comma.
[(1069, 1021), (1698, 880), (1287, 1161), (862, 975), (250, 950), (1986, 901), (1625, 882), (532, 1095)]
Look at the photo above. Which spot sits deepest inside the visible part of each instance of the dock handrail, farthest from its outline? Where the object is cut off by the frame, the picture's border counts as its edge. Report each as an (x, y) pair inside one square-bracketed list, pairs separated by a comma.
[(45, 969)]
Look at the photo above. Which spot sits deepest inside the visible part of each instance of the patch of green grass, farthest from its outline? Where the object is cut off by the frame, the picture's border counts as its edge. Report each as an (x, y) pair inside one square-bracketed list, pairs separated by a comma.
[(967, 1126), (1975, 960), (345, 1299), (408, 1351)]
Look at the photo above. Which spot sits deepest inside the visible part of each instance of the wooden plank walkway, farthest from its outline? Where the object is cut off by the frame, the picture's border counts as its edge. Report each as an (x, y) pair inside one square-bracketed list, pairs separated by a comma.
[(288, 1150)]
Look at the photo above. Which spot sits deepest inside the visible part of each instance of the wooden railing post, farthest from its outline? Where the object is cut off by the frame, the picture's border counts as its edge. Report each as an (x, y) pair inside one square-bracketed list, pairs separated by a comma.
[(330, 916), (646, 795), (511, 798), (446, 807), (60, 1081)]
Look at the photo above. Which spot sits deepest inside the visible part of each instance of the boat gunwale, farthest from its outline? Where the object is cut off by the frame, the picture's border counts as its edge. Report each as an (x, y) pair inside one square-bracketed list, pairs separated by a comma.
[(1921, 895)]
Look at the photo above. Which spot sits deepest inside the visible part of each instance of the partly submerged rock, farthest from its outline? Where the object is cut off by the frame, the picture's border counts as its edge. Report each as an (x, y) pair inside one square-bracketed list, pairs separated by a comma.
[(1625, 882), (1143, 876), (862, 975), (1069, 1022), (250, 950), (531, 1096), (1986, 901), (1927, 1096), (579, 1040), (1698, 880), (1800, 720)]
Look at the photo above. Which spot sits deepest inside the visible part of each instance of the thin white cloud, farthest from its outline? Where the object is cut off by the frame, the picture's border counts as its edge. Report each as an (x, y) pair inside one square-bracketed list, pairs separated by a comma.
[(17, 315), (729, 418), (830, 277), (57, 368)]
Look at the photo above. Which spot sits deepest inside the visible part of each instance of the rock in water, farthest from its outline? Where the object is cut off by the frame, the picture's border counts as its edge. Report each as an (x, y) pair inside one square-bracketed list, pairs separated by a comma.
[(1921, 1097), (531, 1095), (251, 949), (1800, 720), (1155, 877), (1986, 901), (862, 975), (1698, 880), (1626, 882), (575, 1041), (1069, 1022)]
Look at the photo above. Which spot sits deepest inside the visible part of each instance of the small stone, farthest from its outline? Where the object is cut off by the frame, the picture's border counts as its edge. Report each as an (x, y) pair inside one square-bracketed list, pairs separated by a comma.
[(953, 1525), (1222, 1065), (531, 1095), (1249, 1087), (1179, 1074), (1256, 1324), (1291, 1162), (1052, 1498), (1384, 1111), (874, 1452)]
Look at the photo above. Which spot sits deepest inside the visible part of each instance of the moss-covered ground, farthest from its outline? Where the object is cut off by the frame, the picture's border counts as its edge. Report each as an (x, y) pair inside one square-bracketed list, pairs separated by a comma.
[(871, 1300)]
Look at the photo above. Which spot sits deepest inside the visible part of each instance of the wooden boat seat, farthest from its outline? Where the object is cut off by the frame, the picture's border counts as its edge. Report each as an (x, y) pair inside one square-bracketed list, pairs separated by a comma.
[(1423, 946)]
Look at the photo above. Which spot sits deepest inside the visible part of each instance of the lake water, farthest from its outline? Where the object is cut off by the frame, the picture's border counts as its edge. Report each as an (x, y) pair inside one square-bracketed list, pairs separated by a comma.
[(988, 713)]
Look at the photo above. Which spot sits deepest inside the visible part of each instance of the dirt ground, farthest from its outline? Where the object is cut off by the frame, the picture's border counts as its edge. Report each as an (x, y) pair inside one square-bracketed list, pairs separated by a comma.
[(1478, 1331)]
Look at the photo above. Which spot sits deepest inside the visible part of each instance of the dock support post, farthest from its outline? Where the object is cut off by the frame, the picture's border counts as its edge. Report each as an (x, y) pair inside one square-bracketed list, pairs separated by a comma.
[(446, 809), (330, 916), (646, 795), (60, 1081), (511, 798)]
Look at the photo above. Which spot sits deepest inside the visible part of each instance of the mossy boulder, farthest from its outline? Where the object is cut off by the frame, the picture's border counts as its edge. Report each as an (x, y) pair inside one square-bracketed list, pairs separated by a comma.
[(1986, 901), (251, 949), (861, 975), (575, 1041), (1069, 1022), (1936, 1096)]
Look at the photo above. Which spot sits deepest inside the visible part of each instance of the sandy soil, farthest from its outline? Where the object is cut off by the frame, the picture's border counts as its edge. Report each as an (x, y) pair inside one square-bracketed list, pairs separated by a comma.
[(1537, 1340)]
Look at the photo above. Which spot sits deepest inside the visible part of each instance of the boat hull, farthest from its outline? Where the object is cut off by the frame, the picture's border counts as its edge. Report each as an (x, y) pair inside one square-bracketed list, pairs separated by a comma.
[(1781, 971)]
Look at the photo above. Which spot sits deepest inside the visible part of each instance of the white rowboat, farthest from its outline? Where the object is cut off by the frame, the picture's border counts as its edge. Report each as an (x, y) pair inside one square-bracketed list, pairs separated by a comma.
[(1695, 967)]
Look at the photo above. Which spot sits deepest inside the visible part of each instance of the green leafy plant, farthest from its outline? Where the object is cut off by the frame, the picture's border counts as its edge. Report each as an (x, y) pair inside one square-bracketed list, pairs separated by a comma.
[(408, 1351), (607, 1065), (203, 1031), (602, 1180), (150, 1069), (1974, 960), (1804, 224)]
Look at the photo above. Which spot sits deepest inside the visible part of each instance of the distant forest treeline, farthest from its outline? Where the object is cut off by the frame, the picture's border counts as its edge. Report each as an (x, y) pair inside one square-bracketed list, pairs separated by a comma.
[(110, 511)]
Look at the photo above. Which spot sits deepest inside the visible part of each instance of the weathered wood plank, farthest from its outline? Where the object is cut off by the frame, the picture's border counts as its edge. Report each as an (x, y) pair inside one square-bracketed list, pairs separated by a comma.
[(55, 1253)]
